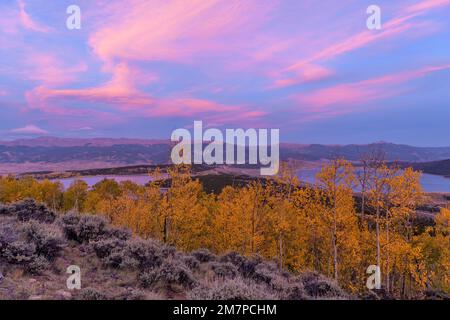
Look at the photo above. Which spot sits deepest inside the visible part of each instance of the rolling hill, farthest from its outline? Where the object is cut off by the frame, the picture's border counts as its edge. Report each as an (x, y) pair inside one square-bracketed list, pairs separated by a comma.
[(441, 168)]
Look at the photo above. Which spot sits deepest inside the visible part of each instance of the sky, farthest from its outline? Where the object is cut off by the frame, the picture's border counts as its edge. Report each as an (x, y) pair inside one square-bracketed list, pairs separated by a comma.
[(141, 69)]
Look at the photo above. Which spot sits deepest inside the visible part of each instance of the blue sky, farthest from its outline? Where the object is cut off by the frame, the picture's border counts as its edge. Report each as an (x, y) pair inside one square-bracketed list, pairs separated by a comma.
[(144, 68)]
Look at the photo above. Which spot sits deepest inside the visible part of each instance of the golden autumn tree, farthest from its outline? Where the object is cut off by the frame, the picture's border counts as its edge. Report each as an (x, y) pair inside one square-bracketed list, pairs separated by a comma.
[(50, 193), (183, 212), (281, 214), (378, 196), (75, 196), (10, 189), (404, 196), (102, 196), (335, 182), (239, 219), (434, 245)]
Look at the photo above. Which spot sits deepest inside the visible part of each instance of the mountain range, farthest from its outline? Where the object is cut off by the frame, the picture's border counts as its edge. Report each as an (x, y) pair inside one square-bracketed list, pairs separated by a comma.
[(51, 153)]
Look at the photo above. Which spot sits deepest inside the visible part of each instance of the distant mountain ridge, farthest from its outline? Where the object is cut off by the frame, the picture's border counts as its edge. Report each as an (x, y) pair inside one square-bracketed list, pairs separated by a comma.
[(79, 142), (65, 153), (353, 152), (441, 167)]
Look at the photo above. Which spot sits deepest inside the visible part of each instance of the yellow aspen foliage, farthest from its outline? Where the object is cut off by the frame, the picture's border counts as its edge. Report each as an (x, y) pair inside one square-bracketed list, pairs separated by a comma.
[(183, 213), (240, 219), (9, 189), (300, 227), (50, 193), (75, 196), (335, 182), (434, 244)]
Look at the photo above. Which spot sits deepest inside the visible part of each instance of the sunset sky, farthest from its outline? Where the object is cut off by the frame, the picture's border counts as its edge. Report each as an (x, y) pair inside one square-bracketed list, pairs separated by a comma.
[(144, 68)]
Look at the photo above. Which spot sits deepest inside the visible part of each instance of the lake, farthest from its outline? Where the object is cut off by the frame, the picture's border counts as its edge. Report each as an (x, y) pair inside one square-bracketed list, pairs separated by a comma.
[(430, 183), (140, 179)]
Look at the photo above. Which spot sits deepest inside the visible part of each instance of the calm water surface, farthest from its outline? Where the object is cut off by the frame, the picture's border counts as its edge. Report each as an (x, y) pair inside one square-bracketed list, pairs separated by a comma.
[(430, 183)]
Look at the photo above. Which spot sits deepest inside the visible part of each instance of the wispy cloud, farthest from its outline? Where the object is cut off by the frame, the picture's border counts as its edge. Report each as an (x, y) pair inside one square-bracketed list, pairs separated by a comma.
[(48, 69), (350, 97), (306, 74), (392, 28), (426, 5), (28, 22), (176, 30)]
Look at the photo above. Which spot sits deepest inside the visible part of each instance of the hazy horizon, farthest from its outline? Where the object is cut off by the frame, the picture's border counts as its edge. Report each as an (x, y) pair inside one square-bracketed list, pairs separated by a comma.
[(31, 138)]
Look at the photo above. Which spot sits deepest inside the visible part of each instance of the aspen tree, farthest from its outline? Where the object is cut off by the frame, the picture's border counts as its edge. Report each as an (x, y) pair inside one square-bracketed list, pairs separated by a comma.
[(336, 179)]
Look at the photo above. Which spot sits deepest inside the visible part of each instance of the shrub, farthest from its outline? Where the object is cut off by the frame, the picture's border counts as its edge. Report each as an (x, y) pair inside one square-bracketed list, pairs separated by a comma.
[(7, 235), (118, 233), (233, 257), (265, 273), (168, 251), (104, 247), (24, 254), (318, 286), (132, 294), (144, 254), (37, 265), (29, 209), (84, 229), (19, 252), (91, 228), (148, 279), (47, 239), (203, 255), (119, 258), (4, 209), (224, 270), (436, 294), (148, 253), (294, 291), (169, 274), (236, 289), (191, 262), (69, 224), (245, 266), (91, 294)]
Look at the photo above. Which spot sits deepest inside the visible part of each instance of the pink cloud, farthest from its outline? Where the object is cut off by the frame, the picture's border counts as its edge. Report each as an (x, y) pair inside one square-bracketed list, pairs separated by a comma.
[(307, 73), (28, 22), (187, 107), (342, 98), (427, 5), (132, 103), (175, 30), (50, 70), (120, 90), (30, 129), (394, 27), (122, 94)]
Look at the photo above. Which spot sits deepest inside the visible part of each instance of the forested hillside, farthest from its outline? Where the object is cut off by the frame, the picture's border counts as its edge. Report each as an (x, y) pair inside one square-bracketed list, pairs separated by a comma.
[(301, 229)]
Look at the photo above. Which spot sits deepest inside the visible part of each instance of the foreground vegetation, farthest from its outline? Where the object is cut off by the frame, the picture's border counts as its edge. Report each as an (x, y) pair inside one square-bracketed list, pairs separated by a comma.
[(314, 229), (36, 247)]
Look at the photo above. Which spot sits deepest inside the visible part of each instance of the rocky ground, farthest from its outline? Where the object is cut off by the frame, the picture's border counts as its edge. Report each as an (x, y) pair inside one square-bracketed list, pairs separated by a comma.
[(37, 247)]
